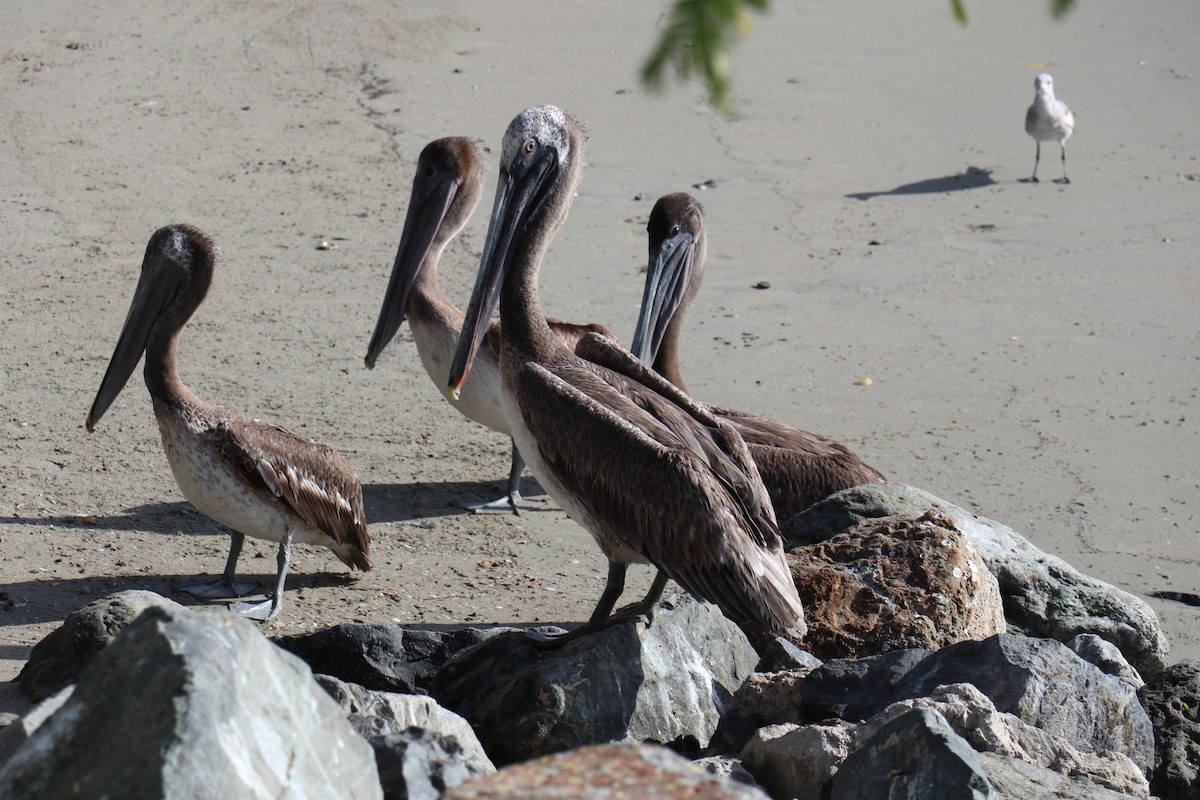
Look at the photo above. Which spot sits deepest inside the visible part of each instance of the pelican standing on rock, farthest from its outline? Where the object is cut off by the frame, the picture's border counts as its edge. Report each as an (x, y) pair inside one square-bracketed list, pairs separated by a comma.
[(255, 478), (651, 475), (798, 468), (1049, 120), (445, 191)]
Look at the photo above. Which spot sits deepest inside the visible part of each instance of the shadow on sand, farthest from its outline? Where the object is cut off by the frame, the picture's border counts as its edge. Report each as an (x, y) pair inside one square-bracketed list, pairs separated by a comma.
[(972, 178)]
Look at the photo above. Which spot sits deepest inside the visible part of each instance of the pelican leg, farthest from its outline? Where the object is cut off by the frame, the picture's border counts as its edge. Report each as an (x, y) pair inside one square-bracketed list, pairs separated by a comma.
[(513, 501), (225, 586), (600, 618), (645, 606), (1064, 179), (269, 609)]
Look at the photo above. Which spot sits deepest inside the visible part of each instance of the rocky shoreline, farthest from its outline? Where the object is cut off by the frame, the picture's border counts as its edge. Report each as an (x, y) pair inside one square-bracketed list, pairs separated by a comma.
[(956, 660)]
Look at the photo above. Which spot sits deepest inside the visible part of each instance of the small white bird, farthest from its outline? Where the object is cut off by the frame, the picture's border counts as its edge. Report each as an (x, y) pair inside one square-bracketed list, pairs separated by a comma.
[(1049, 120)]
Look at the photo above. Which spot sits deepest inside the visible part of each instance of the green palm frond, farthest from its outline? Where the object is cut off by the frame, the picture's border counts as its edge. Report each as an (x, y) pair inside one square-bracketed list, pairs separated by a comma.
[(699, 37)]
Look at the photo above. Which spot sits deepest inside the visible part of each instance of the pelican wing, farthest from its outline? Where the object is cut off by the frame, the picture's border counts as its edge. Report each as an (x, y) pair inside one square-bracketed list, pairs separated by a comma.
[(797, 467), (683, 494), (314, 480)]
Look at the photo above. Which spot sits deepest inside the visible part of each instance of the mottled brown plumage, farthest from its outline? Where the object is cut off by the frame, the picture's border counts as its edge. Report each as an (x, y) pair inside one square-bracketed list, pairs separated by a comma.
[(445, 192), (799, 468), (256, 478), (653, 476)]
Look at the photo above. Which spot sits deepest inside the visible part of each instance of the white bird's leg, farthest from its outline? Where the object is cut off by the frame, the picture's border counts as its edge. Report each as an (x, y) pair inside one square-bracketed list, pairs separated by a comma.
[(513, 501), (1065, 179), (269, 609), (1036, 159), (225, 586)]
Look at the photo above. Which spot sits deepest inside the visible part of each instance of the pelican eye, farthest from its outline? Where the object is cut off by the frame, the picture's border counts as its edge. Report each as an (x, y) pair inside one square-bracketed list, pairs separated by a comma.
[(429, 171), (675, 230), (529, 146)]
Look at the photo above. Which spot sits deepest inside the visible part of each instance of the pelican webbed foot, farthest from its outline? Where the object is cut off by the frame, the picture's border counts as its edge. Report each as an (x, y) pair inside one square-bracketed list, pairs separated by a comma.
[(227, 585), (268, 609), (513, 503), (263, 611), (644, 608)]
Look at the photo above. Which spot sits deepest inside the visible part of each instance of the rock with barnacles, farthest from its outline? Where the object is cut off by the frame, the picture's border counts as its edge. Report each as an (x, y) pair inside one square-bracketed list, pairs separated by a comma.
[(887, 584), (1043, 595), (605, 772)]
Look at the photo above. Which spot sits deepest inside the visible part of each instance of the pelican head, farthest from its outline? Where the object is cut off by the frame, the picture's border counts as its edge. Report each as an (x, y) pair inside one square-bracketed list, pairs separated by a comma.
[(176, 274), (445, 191), (674, 272), (540, 149)]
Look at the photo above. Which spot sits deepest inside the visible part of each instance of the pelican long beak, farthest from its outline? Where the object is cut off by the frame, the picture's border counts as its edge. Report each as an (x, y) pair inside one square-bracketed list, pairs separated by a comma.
[(522, 191), (427, 209), (156, 288), (667, 276)]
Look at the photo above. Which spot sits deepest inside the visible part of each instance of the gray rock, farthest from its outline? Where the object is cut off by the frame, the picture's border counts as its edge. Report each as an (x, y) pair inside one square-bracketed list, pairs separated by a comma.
[(56, 661), (1013, 779), (604, 772), (975, 718), (1043, 595), (419, 764), (376, 714), (781, 654), (389, 658), (854, 689), (668, 683), (1105, 655), (914, 756), (726, 767), (196, 705), (792, 760), (14, 735), (1172, 700), (1045, 684)]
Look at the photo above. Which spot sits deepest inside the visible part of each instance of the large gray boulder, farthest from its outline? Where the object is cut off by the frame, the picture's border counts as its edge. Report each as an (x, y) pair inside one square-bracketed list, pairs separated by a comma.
[(1046, 685), (389, 658), (375, 713), (844, 688), (56, 661), (1043, 595), (669, 682), (792, 760), (914, 756), (193, 705)]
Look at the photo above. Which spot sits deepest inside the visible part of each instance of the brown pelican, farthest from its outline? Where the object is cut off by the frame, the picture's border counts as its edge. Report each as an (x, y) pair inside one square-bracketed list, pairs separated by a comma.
[(654, 477), (445, 191), (1048, 120), (255, 478), (798, 468)]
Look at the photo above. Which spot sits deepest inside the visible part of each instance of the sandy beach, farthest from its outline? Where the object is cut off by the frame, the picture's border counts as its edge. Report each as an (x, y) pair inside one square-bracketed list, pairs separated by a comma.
[(1033, 349)]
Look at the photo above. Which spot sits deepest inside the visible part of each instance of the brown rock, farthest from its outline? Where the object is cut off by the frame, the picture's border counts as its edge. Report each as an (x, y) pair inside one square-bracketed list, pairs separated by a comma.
[(894, 583), (604, 772)]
